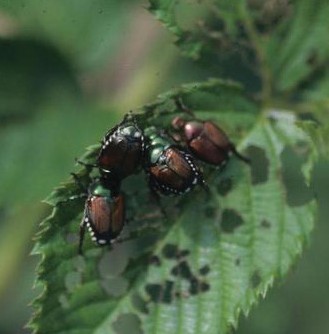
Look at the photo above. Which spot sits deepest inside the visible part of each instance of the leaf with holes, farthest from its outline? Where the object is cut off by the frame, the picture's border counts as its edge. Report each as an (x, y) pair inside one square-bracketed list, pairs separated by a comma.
[(196, 262)]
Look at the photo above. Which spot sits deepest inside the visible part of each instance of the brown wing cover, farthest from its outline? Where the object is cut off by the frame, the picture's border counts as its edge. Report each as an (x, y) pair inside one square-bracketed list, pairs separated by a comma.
[(113, 153), (131, 159), (120, 157), (100, 214), (216, 135), (177, 163), (212, 145), (205, 150), (176, 173), (118, 214)]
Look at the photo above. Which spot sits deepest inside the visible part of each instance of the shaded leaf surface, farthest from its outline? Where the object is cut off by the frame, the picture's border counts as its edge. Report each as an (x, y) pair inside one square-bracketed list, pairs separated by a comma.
[(219, 253), (283, 43)]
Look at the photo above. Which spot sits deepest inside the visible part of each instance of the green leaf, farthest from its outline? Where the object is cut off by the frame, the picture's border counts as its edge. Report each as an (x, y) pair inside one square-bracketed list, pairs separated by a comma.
[(283, 44), (299, 49), (210, 258)]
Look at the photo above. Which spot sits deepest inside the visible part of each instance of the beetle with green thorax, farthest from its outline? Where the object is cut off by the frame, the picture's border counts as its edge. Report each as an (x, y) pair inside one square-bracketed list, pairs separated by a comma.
[(171, 170)]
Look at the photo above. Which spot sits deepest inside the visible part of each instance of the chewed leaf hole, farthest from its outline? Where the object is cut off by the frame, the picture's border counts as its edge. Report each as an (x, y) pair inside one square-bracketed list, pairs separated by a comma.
[(128, 323), (170, 251), (160, 293), (182, 270), (139, 303), (225, 186), (230, 220), (256, 279), (297, 191), (259, 164), (265, 223), (115, 287)]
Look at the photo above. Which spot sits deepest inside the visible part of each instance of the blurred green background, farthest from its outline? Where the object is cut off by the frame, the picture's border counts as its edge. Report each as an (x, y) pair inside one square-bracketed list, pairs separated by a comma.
[(68, 71)]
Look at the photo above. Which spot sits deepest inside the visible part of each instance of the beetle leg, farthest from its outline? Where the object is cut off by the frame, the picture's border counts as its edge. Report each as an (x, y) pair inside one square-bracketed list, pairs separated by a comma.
[(204, 185), (79, 183), (72, 198), (82, 234), (156, 197), (181, 106), (239, 155), (87, 166)]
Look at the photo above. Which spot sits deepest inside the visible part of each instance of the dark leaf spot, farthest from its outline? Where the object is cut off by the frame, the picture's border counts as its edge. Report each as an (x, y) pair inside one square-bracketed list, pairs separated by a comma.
[(155, 260), (312, 58), (160, 293), (225, 186), (170, 251), (198, 286), (168, 292), (139, 303), (210, 212), (265, 223), (308, 116), (154, 292), (73, 280), (297, 191), (182, 270), (178, 294), (237, 261), (204, 270), (255, 279), (128, 323), (230, 220), (183, 253), (259, 165), (302, 148), (115, 286), (204, 286)]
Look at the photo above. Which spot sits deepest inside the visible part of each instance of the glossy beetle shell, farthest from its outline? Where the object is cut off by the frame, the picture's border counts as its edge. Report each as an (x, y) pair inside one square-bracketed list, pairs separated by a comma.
[(174, 173), (171, 170), (122, 151), (205, 140), (104, 215)]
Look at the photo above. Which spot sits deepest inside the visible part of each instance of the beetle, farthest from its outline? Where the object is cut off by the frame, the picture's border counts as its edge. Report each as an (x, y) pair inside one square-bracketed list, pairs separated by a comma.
[(104, 213), (205, 140), (122, 151), (171, 170)]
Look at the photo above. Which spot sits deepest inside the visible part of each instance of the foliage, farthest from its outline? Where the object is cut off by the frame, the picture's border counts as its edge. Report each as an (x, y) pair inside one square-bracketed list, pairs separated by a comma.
[(223, 253), (194, 263)]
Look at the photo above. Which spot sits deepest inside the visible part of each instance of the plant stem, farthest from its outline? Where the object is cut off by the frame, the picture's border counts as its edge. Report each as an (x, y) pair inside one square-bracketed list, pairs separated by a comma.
[(261, 55)]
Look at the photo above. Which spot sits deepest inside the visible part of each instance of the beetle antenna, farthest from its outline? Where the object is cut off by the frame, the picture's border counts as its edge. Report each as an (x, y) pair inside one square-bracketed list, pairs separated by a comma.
[(180, 105), (85, 164), (81, 236)]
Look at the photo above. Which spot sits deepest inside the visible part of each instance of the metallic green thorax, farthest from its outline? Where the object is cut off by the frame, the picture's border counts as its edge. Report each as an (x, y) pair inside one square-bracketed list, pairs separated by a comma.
[(97, 189), (130, 131), (157, 143)]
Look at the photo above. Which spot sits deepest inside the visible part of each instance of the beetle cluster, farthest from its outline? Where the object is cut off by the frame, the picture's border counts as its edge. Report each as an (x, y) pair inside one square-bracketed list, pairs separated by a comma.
[(168, 158)]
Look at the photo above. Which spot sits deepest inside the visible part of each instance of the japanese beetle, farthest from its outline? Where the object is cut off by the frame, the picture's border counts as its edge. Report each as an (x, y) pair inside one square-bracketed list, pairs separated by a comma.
[(104, 214), (122, 150), (171, 170), (205, 140)]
